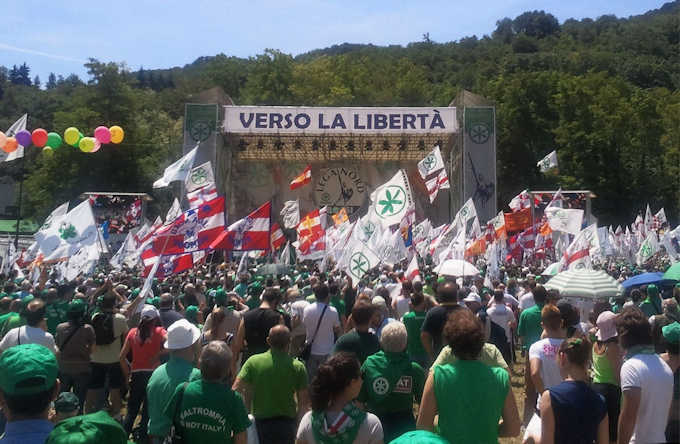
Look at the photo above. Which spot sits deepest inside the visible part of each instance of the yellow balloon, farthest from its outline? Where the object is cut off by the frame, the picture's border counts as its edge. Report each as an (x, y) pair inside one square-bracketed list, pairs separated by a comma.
[(86, 144), (117, 134), (71, 136), (48, 150)]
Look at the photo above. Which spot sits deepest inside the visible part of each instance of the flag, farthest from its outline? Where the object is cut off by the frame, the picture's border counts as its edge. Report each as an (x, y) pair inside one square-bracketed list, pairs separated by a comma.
[(195, 229), (309, 230), (671, 250), (431, 164), (521, 201), (659, 219), (649, 220), (303, 179), (413, 272), (202, 195), (578, 254), (517, 221), (179, 170), (340, 216), (134, 212), (548, 162), (291, 213), (11, 132), (199, 177), (54, 218), (284, 258), (498, 225), (174, 212), (436, 183), (359, 259), (277, 237), (250, 233), (126, 254), (392, 201), (312, 250), (74, 231), (146, 233), (648, 248), (392, 249), (563, 219), (242, 264)]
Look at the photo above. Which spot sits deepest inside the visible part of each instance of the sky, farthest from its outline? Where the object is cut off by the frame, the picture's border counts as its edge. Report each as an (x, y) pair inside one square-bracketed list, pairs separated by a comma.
[(60, 36)]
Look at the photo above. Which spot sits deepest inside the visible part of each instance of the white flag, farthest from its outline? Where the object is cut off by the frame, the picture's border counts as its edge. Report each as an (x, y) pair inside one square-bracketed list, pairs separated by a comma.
[(548, 162), (649, 220), (285, 255), (127, 254), (436, 183), (566, 220), (243, 264), (667, 242), (291, 213), (392, 248), (11, 132), (360, 259), (413, 272), (431, 164), (199, 177), (577, 255), (179, 170), (648, 248), (392, 201), (174, 212), (660, 218), (75, 231), (53, 219)]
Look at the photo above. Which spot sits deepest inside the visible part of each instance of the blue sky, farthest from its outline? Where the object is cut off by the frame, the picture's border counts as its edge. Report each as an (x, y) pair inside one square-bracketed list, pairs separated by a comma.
[(59, 36)]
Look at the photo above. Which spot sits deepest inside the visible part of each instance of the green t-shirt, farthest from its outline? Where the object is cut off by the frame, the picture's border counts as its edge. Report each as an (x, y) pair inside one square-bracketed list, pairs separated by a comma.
[(162, 384), (339, 305), (530, 328), (274, 377), (56, 314), (391, 383), (413, 320), (241, 289), (362, 344), (209, 412), (13, 320), (471, 416)]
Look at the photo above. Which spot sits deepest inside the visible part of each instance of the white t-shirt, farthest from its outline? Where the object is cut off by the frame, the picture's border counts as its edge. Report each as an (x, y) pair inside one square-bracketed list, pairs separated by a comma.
[(503, 316), (402, 306), (511, 300), (27, 335), (370, 431), (526, 301), (546, 350), (297, 310), (655, 380), (325, 338)]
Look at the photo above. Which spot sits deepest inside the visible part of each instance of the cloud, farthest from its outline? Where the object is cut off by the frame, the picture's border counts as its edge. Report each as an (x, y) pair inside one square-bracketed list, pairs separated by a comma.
[(41, 53)]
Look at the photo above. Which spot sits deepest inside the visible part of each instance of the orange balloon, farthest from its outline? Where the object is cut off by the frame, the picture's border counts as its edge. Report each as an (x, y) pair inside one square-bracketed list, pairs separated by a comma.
[(10, 145)]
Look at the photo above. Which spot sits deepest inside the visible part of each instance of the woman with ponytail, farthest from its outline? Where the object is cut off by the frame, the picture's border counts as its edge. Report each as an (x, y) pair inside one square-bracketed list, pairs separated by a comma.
[(146, 344), (334, 418), (571, 411)]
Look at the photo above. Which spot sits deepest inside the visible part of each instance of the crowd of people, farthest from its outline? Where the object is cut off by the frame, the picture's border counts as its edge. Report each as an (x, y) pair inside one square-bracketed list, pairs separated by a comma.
[(309, 357)]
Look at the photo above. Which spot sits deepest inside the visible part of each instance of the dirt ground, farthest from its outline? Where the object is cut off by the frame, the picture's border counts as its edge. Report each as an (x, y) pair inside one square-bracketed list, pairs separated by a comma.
[(517, 384)]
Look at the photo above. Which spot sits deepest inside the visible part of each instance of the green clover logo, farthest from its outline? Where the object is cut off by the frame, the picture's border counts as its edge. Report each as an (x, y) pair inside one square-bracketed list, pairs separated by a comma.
[(67, 232), (429, 162), (358, 264), (479, 133), (391, 202), (199, 176)]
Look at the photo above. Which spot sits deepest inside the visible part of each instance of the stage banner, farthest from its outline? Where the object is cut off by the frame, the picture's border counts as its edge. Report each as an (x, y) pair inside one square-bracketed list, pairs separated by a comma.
[(200, 124), (318, 120), (479, 152)]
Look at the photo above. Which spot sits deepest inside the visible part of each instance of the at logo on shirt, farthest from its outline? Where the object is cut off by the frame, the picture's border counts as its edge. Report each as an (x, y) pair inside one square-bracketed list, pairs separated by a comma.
[(404, 385)]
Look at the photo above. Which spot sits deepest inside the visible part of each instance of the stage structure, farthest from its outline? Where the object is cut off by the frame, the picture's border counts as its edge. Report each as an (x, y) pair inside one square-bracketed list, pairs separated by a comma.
[(257, 150)]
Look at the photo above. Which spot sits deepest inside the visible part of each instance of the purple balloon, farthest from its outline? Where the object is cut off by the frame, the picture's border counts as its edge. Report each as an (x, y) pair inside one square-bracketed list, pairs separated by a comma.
[(23, 137)]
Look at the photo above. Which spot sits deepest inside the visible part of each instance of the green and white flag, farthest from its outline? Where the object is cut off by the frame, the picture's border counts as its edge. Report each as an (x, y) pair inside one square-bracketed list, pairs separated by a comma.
[(648, 248), (75, 234), (360, 259), (11, 132), (177, 171), (391, 202), (199, 177)]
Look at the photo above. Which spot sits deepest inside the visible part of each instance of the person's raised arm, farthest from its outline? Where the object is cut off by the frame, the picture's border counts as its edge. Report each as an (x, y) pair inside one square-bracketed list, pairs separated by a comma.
[(428, 406), (629, 410)]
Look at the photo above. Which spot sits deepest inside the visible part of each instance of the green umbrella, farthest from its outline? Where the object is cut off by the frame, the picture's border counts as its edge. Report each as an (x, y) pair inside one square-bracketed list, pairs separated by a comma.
[(586, 284), (673, 272)]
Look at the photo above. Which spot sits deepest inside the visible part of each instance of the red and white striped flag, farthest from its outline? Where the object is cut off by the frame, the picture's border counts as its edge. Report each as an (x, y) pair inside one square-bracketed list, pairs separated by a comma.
[(413, 272), (250, 233), (436, 183), (303, 179), (309, 230), (277, 237), (202, 195), (195, 229)]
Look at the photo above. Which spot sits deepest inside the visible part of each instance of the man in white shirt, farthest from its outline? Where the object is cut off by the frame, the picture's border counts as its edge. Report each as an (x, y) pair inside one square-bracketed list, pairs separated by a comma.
[(527, 299), (501, 314), (329, 326), (646, 382), (295, 306), (34, 332)]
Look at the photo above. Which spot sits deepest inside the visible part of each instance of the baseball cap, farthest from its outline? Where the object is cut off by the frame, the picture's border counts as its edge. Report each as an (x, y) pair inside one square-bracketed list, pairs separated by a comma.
[(77, 306), (150, 312), (181, 334), (606, 327), (66, 402), (96, 427), (191, 313), (27, 369), (220, 296), (473, 297), (671, 332), (419, 437)]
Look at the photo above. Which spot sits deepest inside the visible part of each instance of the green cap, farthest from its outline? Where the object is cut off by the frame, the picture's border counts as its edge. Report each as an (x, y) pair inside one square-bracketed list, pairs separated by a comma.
[(671, 333), (220, 296), (419, 437), (27, 369), (66, 402), (97, 428), (652, 290), (77, 306), (156, 301), (136, 292), (191, 313)]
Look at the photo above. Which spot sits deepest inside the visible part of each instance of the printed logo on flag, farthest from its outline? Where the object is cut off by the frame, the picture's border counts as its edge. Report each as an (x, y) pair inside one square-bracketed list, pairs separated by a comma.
[(429, 162), (199, 177), (358, 265), (391, 200), (368, 230), (68, 231)]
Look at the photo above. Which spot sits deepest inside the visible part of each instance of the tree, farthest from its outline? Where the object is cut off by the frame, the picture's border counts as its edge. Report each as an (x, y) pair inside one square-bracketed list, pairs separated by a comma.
[(536, 24), (51, 81), (36, 81), (24, 77)]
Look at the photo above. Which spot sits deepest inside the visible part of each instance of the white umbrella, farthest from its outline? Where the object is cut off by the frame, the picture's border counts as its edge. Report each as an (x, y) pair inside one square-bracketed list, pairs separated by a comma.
[(552, 269), (456, 267), (587, 284)]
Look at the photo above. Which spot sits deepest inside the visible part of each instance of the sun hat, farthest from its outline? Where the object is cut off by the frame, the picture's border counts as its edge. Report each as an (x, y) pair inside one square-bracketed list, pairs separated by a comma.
[(606, 327), (473, 297), (27, 369), (66, 402), (181, 334), (671, 332), (97, 428)]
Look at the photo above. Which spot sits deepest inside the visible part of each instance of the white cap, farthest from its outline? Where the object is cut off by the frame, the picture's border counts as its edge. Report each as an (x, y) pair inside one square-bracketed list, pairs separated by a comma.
[(472, 297), (181, 334), (378, 301), (150, 312)]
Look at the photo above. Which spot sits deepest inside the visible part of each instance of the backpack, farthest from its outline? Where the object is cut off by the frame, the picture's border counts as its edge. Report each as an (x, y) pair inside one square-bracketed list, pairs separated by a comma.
[(102, 323)]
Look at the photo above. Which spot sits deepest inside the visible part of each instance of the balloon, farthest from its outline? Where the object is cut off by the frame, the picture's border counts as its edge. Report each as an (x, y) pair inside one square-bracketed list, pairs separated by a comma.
[(39, 137), (10, 145), (23, 137), (3, 139), (77, 142), (48, 150), (87, 144), (54, 140), (117, 134), (71, 136), (102, 134), (97, 145)]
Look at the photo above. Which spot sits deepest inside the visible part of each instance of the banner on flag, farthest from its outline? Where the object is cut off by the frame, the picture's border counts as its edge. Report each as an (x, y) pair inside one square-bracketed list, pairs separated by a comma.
[(563, 219), (517, 221), (548, 162), (392, 201)]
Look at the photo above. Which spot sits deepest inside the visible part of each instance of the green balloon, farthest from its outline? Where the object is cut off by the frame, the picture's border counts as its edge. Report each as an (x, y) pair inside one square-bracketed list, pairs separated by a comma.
[(80, 137), (53, 140)]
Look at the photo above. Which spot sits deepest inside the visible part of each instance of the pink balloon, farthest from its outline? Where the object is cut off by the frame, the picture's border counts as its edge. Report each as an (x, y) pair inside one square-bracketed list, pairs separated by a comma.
[(102, 134), (97, 145)]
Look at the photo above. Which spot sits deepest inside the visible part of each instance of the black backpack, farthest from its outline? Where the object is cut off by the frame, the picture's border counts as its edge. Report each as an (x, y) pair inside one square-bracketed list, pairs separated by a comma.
[(102, 323)]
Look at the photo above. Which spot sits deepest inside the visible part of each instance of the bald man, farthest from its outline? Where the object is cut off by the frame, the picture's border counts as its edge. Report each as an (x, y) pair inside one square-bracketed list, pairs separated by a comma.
[(272, 381)]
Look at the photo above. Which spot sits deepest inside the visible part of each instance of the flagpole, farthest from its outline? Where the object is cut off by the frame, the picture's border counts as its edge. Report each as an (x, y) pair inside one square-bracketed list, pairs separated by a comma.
[(21, 187)]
